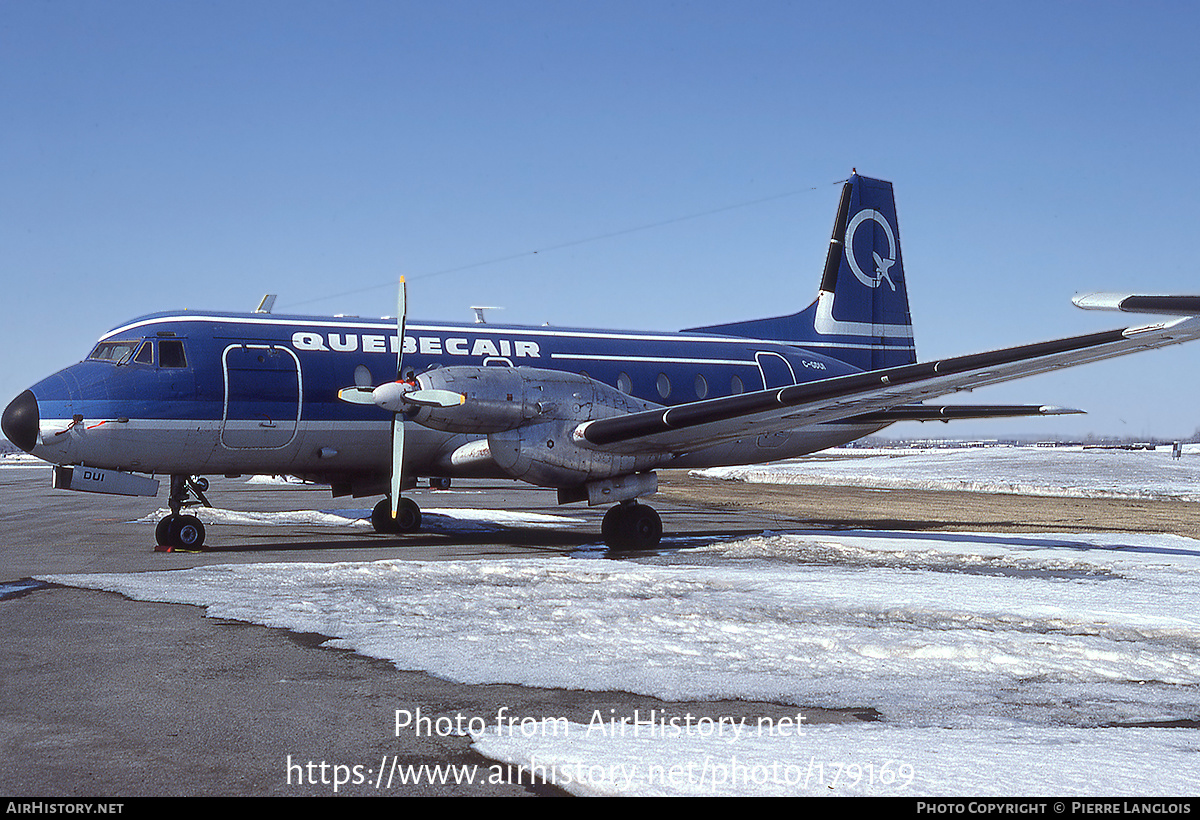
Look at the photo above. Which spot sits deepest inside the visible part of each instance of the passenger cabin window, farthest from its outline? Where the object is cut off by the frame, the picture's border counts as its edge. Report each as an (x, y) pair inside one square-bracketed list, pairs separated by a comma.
[(170, 353), (145, 354), (116, 352)]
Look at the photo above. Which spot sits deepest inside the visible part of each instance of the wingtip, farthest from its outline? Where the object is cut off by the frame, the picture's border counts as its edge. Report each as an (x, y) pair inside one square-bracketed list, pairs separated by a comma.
[(1163, 304), (1099, 301)]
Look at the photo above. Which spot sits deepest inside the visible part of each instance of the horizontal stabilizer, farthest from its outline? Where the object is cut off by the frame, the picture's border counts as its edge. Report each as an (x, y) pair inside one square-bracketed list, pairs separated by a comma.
[(1135, 303)]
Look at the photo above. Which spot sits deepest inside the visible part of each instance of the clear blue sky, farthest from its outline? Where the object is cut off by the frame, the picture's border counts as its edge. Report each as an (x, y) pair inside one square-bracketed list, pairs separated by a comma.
[(200, 154)]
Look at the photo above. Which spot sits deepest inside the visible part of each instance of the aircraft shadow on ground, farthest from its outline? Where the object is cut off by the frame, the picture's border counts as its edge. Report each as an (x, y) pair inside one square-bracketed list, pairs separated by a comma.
[(549, 539)]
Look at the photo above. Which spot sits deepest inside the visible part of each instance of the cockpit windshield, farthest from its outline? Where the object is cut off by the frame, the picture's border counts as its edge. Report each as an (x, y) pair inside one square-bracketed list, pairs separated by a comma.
[(116, 352)]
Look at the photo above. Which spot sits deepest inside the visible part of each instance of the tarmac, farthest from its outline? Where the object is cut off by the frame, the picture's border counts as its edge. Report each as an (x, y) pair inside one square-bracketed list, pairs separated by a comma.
[(107, 697)]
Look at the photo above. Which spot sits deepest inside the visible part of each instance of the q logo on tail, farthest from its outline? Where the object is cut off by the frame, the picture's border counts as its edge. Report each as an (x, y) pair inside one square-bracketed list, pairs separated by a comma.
[(882, 266)]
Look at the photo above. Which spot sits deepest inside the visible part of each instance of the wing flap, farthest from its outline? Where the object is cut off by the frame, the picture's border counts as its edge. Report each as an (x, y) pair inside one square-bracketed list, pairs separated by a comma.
[(704, 423)]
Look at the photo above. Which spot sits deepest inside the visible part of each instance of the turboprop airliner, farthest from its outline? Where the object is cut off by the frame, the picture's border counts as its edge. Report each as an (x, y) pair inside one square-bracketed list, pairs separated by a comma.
[(369, 406)]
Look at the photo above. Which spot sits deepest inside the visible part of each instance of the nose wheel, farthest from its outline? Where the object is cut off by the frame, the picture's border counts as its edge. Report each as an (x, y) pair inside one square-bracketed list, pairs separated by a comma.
[(180, 532)]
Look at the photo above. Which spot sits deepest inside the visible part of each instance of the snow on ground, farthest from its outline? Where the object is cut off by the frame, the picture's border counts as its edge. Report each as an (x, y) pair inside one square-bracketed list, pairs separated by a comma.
[(986, 655), (22, 460), (1060, 471)]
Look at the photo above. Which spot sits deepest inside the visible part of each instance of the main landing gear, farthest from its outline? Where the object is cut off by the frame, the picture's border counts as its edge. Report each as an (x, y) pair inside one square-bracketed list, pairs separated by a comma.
[(408, 516), (631, 526), (178, 531)]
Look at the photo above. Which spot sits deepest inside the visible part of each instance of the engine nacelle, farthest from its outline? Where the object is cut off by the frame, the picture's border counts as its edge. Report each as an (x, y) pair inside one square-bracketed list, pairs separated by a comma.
[(529, 415), (545, 454), (505, 398)]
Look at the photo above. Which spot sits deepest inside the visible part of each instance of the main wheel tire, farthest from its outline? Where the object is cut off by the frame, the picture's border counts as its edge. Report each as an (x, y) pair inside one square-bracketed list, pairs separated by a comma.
[(631, 527), (408, 516), (611, 525), (643, 527), (381, 517)]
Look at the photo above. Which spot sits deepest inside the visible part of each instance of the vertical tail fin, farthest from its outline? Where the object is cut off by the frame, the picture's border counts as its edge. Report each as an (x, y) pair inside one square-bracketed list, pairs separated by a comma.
[(861, 313)]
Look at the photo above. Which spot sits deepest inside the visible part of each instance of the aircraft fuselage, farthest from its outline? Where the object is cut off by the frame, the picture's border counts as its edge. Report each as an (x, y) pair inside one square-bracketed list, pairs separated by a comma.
[(216, 393)]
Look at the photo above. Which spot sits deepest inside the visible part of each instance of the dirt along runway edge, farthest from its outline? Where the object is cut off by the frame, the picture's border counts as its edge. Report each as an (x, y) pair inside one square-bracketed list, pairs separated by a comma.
[(836, 507)]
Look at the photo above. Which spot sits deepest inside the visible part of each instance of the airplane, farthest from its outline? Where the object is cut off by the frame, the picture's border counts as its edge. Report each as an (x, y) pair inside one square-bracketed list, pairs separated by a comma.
[(368, 406)]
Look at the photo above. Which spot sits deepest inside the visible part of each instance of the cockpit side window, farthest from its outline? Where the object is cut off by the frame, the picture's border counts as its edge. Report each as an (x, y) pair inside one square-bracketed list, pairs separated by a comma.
[(170, 353), (115, 352), (145, 354)]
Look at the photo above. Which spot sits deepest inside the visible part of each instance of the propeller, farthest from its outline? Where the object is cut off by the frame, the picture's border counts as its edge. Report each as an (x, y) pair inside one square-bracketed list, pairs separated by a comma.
[(398, 396)]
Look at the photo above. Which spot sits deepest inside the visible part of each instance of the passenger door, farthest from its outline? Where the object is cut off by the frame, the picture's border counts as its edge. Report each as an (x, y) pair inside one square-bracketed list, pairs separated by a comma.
[(262, 396)]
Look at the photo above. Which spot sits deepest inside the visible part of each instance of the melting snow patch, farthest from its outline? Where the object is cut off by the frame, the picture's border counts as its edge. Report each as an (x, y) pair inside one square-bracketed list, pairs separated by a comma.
[(999, 664)]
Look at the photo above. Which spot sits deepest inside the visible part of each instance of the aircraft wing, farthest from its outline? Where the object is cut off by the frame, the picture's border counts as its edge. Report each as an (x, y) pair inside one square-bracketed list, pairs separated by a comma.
[(951, 412), (1140, 303), (689, 427)]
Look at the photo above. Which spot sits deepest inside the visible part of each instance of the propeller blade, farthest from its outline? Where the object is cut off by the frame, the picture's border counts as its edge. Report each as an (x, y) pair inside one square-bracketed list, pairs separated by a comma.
[(397, 419), (401, 318), (395, 396), (357, 395), (435, 398), (397, 461)]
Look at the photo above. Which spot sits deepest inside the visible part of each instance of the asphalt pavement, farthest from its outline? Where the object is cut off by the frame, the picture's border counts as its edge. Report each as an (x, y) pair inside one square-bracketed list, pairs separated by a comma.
[(108, 697)]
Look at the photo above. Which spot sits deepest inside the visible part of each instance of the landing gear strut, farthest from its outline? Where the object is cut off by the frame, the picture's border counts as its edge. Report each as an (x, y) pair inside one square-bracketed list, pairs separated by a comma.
[(183, 531), (631, 526), (408, 516)]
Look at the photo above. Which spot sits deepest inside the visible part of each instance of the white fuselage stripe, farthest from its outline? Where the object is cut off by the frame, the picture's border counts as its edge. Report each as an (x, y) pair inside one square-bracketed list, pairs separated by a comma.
[(485, 329)]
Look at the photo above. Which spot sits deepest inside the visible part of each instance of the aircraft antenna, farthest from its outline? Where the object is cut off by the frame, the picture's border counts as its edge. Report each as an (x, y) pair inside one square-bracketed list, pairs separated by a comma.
[(480, 319)]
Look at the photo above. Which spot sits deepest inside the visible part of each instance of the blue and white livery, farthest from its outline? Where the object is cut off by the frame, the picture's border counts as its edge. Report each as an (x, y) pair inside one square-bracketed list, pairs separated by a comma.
[(368, 406)]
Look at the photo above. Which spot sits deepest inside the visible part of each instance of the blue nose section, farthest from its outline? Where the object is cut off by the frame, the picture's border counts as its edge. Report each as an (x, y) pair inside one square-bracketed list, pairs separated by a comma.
[(21, 420)]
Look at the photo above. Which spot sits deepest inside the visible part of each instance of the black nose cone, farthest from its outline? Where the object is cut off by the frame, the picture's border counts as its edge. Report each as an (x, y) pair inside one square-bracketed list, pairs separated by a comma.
[(20, 422)]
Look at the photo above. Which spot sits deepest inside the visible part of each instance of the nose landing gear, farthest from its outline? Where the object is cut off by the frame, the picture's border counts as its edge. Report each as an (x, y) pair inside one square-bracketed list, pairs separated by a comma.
[(178, 531)]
